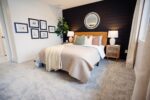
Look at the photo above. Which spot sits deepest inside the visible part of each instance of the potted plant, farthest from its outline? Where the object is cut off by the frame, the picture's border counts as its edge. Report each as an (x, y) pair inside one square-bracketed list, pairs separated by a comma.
[(62, 28)]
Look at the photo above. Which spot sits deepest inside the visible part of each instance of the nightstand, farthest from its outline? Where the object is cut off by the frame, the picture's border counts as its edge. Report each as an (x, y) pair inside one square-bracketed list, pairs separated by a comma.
[(113, 51)]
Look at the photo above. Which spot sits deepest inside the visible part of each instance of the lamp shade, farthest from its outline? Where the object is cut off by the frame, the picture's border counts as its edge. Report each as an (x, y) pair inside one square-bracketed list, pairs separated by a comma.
[(113, 34), (70, 33)]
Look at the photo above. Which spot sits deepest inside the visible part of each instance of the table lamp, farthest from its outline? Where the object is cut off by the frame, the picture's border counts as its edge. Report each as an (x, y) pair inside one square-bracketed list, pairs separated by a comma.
[(70, 34), (112, 35)]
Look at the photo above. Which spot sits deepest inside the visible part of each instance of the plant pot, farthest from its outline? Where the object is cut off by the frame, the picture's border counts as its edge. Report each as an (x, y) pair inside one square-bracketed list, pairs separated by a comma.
[(65, 37)]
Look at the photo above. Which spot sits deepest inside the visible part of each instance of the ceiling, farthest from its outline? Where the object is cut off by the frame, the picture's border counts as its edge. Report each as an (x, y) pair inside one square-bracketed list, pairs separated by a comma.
[(64, 4)]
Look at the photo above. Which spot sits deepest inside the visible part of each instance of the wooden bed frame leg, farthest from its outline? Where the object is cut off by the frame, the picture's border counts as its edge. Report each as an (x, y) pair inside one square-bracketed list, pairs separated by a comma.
[(98, 64)]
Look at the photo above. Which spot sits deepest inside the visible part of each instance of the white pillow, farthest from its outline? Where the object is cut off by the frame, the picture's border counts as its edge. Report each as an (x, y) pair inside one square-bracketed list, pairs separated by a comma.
[(100, 40), (88, 40)]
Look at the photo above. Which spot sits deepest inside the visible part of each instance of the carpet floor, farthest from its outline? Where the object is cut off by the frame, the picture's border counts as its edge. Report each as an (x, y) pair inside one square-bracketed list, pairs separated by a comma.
[(110, 81)]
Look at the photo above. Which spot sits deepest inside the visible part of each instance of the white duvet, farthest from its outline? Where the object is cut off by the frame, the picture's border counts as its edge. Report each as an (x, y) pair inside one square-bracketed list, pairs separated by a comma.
[(100, 49)]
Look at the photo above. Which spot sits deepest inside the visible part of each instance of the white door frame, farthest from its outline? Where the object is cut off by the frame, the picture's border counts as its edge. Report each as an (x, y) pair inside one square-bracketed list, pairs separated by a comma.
[(8, 31), (3, 44)]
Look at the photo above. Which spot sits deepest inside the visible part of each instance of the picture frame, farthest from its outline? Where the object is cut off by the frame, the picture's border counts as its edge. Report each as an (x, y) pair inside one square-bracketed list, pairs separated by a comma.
[(51, 29), (35, 33), (33, 23), (21, 27), (43, 25), (43, 34)]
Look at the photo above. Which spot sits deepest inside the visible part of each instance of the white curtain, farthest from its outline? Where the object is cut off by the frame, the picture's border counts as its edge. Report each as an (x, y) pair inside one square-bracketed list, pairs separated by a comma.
[(142, 63), (142, 70), (134, 34)]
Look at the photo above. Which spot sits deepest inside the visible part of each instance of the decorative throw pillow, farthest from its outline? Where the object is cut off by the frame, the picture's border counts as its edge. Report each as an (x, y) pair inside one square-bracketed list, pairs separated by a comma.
[(79, 40), (88, 40), (74, 39), (97, 40)]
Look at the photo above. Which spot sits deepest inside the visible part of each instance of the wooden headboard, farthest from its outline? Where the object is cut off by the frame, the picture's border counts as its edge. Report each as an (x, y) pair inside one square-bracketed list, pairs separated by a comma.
[(103, 34)]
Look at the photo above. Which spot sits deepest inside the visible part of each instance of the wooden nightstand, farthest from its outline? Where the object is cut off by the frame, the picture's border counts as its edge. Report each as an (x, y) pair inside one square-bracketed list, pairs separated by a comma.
[(113, 51)]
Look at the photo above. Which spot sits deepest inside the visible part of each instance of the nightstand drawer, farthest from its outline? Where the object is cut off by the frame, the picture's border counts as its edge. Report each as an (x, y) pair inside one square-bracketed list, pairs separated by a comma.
[(113, 51), (114, 55)]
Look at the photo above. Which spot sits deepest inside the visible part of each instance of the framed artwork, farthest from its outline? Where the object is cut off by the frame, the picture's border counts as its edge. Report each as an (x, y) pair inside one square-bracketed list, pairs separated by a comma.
[(51, 29), (43, 34), (35, 33), (43, 25), (21, 27), (33, 23)]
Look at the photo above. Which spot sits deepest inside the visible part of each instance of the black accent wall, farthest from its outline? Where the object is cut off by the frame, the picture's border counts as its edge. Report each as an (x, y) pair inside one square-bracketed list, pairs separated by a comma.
[(114, 15)]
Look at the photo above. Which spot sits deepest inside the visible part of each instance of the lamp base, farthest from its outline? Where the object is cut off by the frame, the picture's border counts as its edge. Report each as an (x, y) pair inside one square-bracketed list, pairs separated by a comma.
[(112, 41), (70, 39)]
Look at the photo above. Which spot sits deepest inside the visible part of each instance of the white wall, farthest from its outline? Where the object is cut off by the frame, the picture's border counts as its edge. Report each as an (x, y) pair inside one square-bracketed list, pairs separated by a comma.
[(20, 11)]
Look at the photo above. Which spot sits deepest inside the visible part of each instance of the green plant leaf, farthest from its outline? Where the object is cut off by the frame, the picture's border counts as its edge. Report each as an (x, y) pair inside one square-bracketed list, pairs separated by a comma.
[(62, 27)]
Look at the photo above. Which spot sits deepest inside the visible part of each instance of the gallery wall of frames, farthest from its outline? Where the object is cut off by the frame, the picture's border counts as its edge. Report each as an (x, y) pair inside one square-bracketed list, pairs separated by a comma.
[(38, 28)]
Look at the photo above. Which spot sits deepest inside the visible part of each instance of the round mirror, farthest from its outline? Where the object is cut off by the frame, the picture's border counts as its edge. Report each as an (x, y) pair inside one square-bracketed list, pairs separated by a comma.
[(91, 20)]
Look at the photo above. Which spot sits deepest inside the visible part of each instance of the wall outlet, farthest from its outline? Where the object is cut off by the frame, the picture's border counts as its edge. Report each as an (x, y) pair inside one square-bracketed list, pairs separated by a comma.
[(126, 51)]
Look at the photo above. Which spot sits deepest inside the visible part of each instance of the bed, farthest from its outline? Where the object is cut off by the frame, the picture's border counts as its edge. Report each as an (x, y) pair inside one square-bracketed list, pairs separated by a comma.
[(77, 60)]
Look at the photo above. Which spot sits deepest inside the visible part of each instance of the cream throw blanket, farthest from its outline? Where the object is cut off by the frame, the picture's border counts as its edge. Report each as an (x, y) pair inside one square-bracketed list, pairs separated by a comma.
[(53, 58)]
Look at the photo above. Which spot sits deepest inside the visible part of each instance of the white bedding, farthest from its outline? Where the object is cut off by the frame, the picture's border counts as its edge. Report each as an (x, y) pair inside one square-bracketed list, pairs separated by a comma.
[(78, 60), (100, 49)]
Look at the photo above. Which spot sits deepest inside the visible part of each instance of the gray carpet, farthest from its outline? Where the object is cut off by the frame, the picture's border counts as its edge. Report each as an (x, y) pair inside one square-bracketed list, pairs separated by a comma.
[(118, 82), (110, 81)]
